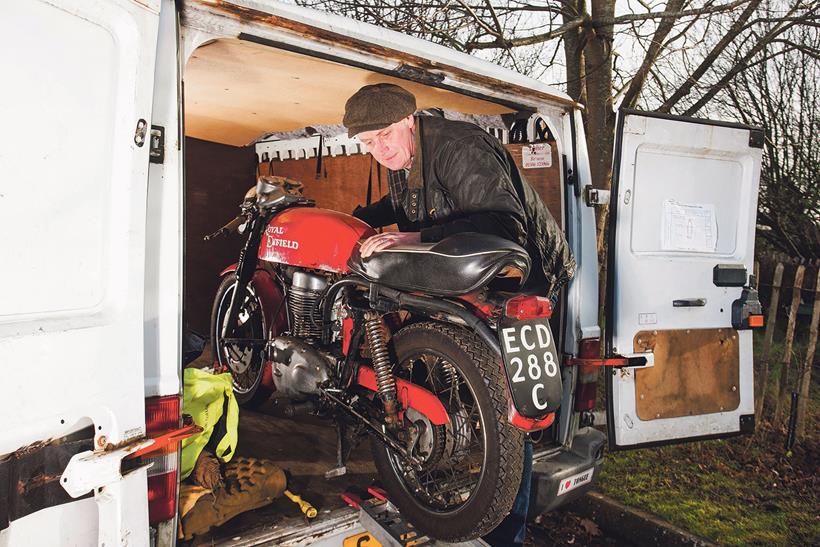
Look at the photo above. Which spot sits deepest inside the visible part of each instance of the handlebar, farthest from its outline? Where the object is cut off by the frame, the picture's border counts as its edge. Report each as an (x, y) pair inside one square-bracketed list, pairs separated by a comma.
[(228, 228)]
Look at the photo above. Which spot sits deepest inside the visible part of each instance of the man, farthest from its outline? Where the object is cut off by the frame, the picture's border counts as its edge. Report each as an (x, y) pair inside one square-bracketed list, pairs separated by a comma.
[(447, 177)]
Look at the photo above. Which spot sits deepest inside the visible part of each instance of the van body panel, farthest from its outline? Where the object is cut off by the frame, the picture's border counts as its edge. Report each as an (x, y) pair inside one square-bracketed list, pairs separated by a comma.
[(72, 226), (684, 201)]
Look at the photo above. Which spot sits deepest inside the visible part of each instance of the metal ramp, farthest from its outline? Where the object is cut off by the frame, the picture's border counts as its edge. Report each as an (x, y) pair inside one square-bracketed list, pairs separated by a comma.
[(385, 524)]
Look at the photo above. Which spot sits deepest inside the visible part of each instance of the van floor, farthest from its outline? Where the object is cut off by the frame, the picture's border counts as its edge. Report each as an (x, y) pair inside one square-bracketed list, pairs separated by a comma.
[(306, 448)]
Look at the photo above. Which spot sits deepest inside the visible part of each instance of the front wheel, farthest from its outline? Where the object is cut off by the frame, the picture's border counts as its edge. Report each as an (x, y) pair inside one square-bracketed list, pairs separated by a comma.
[(245, 362), (470, 468)]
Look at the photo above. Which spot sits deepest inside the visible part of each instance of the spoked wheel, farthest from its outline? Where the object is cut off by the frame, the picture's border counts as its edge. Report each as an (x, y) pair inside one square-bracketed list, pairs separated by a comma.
[(468, 471), (245, 362)]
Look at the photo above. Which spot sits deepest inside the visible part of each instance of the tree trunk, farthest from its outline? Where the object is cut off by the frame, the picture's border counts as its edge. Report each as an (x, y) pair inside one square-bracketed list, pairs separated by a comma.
[(574, 52), (600, 120), (805, 381), (787, 350)]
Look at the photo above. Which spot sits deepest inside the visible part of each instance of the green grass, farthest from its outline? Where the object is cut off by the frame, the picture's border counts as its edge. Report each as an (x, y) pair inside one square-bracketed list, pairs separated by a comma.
[(741, 491)]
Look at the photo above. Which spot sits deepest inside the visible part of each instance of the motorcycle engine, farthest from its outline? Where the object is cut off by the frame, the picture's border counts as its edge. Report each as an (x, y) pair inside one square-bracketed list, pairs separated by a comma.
[(298, 365), (303, 299)]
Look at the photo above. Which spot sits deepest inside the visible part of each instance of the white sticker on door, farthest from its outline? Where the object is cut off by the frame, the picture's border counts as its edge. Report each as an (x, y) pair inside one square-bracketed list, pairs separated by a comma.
[(535, 156), (689, 227), (647, 318)]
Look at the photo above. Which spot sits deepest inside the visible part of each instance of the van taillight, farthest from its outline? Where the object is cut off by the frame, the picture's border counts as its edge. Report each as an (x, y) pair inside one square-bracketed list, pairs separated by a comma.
[(587, 387), (162, 415)]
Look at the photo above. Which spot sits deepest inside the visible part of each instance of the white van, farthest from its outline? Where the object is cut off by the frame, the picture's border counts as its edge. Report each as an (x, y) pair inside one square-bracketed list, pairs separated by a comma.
[(98, 99)]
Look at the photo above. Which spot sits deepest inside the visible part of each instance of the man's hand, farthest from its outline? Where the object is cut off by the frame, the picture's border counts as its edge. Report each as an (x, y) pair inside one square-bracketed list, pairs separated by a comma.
[(383, 241)]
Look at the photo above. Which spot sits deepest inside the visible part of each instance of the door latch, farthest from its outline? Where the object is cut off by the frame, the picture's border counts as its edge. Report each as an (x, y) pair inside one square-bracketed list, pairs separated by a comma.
[(156, 152), (595, 196)]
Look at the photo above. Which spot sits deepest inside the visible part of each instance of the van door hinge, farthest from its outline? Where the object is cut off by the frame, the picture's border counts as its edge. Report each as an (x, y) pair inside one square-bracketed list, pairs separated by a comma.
[(156, 152), (595, 196)]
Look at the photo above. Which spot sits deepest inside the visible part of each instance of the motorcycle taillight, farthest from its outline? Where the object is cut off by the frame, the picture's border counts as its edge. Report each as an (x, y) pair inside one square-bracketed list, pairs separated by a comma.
[(528, 307)]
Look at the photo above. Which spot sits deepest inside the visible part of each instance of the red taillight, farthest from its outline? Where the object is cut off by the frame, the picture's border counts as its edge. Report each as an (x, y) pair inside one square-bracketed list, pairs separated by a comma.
[(162, 415), (755, 321), (587, 387), (528, 307)]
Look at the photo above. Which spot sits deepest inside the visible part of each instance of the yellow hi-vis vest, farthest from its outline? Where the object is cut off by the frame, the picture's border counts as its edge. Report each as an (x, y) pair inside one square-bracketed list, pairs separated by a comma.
[(204, 397)]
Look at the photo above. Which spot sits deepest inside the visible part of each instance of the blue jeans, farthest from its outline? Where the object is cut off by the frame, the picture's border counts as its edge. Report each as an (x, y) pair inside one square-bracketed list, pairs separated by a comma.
[(513, 529)]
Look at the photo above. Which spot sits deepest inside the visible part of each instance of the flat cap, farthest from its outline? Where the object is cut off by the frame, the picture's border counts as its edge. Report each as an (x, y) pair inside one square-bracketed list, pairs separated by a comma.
[(376, 106)]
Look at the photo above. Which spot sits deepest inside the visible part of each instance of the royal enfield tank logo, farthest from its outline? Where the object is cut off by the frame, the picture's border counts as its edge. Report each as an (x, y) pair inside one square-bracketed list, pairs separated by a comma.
[(273, 241)]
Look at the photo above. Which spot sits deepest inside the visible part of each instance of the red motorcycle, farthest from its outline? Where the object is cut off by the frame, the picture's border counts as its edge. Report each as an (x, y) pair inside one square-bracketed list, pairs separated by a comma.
[(445, 393)]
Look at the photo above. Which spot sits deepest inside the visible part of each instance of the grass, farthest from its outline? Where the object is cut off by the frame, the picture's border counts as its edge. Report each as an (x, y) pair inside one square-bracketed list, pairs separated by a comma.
[(741, 491)]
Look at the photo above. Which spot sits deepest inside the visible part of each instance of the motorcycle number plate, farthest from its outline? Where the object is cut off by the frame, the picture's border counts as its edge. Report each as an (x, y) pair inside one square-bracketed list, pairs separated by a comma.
[(532, 366)]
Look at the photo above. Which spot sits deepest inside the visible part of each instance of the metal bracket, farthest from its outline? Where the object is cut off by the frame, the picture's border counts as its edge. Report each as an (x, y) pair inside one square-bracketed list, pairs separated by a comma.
[(595, 196), (89, 470)]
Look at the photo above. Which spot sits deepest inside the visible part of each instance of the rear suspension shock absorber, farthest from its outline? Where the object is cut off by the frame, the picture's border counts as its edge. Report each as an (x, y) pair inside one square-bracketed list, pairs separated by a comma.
[(386, 383)]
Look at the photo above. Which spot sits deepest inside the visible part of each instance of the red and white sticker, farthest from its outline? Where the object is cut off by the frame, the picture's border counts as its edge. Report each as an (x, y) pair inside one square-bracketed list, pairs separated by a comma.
[(536, 156), (573, 482)]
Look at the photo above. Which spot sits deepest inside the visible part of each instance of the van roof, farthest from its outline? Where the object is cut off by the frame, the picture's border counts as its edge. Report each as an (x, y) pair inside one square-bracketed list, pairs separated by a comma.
[(266, 47)]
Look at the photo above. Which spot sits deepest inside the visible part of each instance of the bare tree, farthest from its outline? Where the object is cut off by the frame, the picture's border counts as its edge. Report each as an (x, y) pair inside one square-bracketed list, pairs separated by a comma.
[(781, 92), (684, 47)]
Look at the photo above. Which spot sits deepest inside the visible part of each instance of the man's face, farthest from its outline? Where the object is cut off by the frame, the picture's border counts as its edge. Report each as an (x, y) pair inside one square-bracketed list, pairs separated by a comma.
[(392, 146)]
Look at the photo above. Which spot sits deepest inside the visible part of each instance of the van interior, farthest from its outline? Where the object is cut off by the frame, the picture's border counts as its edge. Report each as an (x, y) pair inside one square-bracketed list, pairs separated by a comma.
[(239, 95)]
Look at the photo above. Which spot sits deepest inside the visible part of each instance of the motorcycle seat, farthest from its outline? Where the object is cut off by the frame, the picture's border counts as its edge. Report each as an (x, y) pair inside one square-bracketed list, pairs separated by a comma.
[(455, 266)]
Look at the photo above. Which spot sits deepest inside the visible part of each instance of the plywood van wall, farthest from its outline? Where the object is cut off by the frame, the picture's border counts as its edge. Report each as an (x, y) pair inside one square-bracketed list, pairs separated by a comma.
[(217, 177)]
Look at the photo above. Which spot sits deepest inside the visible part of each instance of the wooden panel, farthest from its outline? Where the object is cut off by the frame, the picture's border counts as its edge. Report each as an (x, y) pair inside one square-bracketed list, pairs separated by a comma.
[(696, 372), (545, 181), (343, 183), (216, 179)]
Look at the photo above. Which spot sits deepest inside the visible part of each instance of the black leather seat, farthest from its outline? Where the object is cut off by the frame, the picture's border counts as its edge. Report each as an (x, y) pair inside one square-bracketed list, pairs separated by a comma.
[(454, 266)]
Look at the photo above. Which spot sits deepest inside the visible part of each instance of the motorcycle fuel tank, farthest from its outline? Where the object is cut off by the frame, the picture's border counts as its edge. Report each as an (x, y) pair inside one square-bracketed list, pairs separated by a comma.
[(313, 238)]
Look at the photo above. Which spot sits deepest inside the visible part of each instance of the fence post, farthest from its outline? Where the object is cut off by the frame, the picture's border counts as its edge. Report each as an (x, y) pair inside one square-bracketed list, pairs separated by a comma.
[(771, 320), (805, 378), (787, 350)]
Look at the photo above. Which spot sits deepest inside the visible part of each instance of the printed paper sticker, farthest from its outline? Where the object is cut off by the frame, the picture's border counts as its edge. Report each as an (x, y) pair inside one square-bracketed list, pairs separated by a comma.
[(689, 227)]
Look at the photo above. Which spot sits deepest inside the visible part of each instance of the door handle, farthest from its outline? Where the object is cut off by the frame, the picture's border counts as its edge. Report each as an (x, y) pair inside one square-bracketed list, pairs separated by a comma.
[(689, 302)]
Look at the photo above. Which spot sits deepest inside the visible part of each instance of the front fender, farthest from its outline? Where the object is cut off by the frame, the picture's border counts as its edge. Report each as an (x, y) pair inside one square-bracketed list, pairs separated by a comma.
[(271, 298)]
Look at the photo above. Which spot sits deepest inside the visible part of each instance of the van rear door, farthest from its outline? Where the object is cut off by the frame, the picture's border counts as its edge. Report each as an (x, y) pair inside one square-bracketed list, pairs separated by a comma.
[(76, 107), (681, 248)]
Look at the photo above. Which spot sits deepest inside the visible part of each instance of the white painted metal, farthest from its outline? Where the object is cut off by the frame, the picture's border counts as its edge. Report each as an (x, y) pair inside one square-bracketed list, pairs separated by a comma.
[(691, 163), (72, 230)]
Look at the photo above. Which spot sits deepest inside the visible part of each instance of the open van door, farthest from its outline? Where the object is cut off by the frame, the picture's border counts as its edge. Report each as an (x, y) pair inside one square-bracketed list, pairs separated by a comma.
[(76, 108), (681, 248)]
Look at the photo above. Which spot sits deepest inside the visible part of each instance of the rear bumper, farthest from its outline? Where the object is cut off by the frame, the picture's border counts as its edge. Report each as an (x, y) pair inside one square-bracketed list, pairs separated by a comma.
[(567, 475)]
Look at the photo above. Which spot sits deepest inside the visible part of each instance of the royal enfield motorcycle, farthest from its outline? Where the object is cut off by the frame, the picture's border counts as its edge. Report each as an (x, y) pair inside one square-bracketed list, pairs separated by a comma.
[(427, 348)]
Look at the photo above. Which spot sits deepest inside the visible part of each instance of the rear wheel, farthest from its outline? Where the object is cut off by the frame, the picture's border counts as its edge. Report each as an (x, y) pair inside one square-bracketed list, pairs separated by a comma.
[(470, 468), (245, 362)]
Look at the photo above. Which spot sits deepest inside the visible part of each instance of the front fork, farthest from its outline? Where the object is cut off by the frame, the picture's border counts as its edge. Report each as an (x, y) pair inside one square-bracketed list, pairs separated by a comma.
[(248, 259)]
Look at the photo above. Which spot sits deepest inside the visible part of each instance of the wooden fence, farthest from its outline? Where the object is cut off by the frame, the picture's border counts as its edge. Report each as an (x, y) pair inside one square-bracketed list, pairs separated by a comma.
[(788, 289)]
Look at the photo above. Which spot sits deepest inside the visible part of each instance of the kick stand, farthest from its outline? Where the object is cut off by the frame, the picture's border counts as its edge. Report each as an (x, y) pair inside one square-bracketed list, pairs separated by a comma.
[(341, 436), (384, 522)]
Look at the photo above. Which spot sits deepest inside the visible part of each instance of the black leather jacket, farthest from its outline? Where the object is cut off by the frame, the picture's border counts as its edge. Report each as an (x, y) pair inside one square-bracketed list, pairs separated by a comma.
[(464, 180)]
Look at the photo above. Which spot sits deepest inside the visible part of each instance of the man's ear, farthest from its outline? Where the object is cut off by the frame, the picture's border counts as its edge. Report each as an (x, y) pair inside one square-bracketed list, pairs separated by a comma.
[(411, 121)]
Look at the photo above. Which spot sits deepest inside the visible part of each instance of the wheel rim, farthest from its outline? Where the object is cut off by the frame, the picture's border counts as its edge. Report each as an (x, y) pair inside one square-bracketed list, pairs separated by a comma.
[(244, 363), (454, 455)]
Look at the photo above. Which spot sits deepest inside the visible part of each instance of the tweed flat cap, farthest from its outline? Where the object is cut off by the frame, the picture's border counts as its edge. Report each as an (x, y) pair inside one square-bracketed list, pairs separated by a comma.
[(376, 106)]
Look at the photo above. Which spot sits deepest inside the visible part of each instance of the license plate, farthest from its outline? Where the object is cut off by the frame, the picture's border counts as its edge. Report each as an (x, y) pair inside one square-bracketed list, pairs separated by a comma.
[(532, 366)]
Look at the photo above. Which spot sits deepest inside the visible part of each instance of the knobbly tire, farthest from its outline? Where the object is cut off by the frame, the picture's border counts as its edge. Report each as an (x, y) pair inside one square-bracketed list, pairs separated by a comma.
[(247, 385), (477, 404)]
